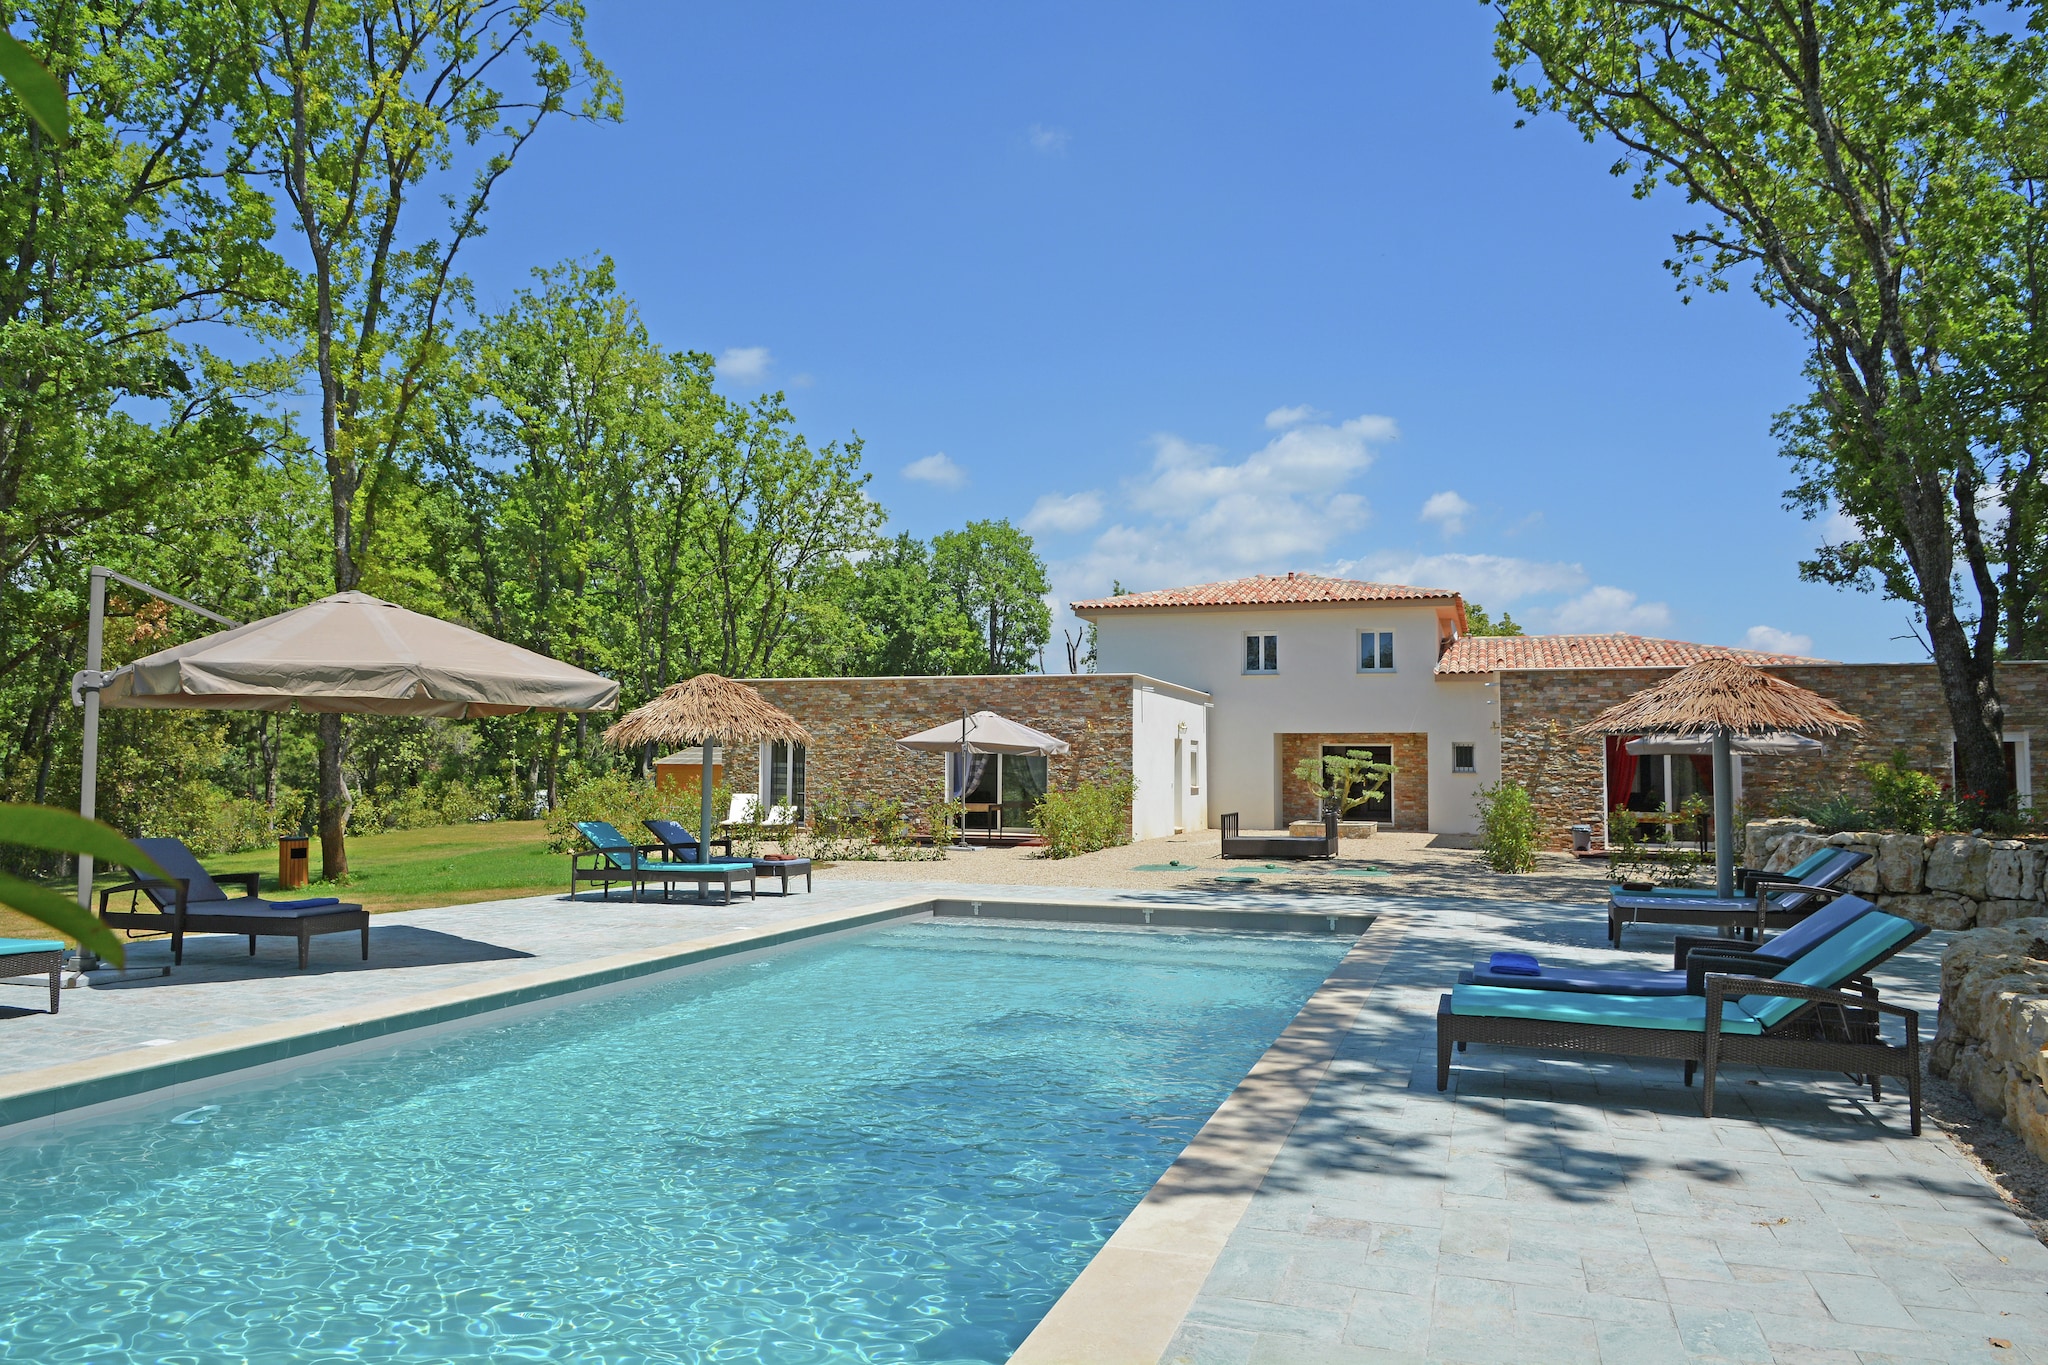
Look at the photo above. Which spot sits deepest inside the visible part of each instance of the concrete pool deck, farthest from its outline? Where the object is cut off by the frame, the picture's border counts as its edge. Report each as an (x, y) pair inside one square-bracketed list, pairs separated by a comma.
[(1337, 1208)]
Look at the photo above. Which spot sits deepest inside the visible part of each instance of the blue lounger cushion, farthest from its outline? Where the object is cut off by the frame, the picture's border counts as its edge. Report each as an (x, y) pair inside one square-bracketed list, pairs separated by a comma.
[(10, 946), (1514, 964), (1848, 953), (1799, 871), (310, 903), (1679, 1012), (1789, 946)]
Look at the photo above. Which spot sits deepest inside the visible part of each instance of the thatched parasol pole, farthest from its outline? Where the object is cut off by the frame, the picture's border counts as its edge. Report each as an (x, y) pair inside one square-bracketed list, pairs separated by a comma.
[(703, 711), (1723, 698)]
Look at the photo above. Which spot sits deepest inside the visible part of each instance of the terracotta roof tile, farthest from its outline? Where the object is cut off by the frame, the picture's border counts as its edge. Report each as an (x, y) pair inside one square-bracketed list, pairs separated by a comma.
[(1269, 590), (1491, 653)]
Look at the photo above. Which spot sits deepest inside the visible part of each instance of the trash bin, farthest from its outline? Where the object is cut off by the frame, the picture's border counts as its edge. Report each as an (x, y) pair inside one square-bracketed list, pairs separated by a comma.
[(1582, 838), (291, 861)]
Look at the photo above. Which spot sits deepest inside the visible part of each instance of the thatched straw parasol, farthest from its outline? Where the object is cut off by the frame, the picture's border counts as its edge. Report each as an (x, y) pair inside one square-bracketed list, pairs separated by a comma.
[(707, 710), (1722, 698)]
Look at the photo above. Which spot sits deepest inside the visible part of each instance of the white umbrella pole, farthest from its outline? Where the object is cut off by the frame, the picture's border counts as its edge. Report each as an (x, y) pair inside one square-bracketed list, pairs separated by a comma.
[(89, 749), (708, 752), (1724, 815)]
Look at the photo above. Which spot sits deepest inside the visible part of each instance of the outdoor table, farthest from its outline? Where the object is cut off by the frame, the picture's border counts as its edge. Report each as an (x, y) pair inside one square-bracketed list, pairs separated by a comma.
[(785, 868)]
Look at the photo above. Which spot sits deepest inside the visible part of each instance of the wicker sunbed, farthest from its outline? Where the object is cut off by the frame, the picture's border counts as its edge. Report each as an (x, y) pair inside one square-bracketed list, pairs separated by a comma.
[(1775, 903), (1798, 1024), (1322, 845), (192, 902)]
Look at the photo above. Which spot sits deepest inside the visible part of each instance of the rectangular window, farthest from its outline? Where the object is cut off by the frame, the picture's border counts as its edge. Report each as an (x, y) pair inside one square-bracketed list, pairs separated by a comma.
[(1262, 654), (1375, 651), (1464, 759), (784, 772), (1194, 767)]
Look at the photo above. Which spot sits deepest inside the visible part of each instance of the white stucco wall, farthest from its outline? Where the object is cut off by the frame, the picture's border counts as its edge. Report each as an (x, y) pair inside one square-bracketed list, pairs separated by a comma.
[(1318, 688), (1161, 716)]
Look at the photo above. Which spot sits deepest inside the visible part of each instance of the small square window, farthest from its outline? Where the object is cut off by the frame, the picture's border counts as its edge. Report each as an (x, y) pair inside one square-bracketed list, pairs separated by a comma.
[(1464, 758), (1262, 654), (1375, 651)]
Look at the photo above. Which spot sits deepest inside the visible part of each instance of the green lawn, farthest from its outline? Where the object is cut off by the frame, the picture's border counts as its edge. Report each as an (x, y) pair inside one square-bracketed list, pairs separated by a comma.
[(446, 865)]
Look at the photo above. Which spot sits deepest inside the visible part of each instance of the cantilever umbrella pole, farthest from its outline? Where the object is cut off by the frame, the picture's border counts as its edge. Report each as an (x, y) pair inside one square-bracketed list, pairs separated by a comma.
[(707, 753)]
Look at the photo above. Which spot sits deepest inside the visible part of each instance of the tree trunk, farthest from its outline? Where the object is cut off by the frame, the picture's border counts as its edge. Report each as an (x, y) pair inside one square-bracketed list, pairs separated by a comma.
[(334, 801), (555, 763)]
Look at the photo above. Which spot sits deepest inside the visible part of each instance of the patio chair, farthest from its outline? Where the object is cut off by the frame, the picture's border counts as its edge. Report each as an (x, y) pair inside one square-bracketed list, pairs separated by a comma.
[(192, 902), (746, 810), (1695, 958), (1746, 879), (680, 842), (1801, 1019), (1776, 903), (615, 858)]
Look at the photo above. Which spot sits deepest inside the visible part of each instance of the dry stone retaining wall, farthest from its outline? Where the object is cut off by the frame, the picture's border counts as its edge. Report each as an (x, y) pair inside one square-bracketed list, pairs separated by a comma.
[(1994, 1024), (1948, 881)]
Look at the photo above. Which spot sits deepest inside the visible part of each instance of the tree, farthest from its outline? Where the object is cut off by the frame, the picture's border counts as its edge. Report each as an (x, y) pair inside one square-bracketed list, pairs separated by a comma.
[(1477, 622), (1845, 162), (994, 575), (909, 624), (359, 104)]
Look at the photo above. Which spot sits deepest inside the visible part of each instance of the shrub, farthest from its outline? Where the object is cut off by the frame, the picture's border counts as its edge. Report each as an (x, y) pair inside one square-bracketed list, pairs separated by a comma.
[(1832, 814), (1903, 799), (624, 801), (1507, 827), (1085, 817)]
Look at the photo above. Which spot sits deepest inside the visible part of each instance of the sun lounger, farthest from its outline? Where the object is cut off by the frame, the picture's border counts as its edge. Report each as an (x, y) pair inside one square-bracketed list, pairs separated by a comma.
[(746, 810), (679, 841), (192, 902), (1694, 960), (1800, 1019), (1775, 903), (33, 957), (1746, 879), (1322, 845), (615, 858)]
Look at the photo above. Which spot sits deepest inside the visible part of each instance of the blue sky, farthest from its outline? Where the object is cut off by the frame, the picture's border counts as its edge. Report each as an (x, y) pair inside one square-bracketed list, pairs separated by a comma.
[(1199, 291)]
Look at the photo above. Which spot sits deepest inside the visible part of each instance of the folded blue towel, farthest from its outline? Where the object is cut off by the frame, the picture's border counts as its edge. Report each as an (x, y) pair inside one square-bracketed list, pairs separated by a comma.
[(312, 904), (1514, 964)]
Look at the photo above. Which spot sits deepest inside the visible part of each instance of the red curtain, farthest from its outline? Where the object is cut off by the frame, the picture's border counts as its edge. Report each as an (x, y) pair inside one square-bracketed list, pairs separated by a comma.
[(1704, 767), (1621, 771)]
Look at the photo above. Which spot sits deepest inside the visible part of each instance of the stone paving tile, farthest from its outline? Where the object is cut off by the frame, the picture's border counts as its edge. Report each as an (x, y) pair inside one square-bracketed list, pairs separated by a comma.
[(1584, 1211)]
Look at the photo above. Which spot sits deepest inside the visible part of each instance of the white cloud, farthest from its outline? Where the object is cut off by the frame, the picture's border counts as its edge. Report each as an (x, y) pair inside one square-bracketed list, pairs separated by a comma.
[(1064, 512), (1774, 641), (938, 470), (1600, 610), (1048, 141), (1494, 580), (1448, 511), (745, 364), (1291, 417)]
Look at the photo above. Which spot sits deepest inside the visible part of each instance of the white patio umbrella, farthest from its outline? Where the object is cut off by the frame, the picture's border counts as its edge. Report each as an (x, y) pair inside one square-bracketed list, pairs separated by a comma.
[(1779, 745), (982, 732)]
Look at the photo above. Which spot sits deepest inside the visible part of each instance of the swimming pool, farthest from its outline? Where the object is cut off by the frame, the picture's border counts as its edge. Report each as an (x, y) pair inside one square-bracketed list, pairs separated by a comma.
[(898, 1145)]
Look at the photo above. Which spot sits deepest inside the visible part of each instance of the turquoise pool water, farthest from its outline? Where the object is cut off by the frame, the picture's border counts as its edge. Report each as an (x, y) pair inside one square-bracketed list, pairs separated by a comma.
[(900, 1145)]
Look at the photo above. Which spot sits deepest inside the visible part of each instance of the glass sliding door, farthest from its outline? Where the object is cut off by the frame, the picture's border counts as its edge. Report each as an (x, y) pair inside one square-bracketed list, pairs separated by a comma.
[(1014, 782)]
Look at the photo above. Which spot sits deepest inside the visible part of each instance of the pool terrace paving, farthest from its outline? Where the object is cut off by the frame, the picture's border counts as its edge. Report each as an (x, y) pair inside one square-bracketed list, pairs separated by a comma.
[(1538, 1210)]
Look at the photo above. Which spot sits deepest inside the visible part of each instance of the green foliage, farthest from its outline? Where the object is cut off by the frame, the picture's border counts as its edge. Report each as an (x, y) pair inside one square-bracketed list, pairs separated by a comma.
[(1344, 782), (1507, 827), (843, 828), (38, 91), (1085, 817), (994, 576), (1477, 622), (62, 831), (623, 802), (1632, 858), (1831, 814), (1873, 170), (1902, 799)]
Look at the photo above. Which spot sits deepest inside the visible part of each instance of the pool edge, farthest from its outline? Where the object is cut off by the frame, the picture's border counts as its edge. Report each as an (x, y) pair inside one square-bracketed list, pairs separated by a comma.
[(72, 1091), (1130, 1300)]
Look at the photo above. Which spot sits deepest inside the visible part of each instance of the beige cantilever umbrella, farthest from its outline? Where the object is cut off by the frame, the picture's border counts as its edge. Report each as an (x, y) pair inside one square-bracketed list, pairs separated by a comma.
[(347, 653), (983, 732), (707, 710), (1723, 699), (354, 652)]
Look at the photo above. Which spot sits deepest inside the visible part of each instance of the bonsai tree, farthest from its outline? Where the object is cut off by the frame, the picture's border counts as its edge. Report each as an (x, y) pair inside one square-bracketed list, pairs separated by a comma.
[(1345, 783)]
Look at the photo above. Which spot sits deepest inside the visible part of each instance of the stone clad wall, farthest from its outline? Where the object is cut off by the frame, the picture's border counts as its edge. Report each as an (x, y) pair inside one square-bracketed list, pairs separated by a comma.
[(1993, 1036), (1900, 704), (854, 723), (1409, 785), (1948, 881)]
